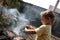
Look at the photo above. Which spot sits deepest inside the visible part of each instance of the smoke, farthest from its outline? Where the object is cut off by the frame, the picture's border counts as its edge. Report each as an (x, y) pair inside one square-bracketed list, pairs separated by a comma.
[(20, 23), (17, 21)]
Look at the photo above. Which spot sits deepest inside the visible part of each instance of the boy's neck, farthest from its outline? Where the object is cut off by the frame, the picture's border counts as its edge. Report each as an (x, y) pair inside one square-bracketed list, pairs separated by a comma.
[(47, 24)]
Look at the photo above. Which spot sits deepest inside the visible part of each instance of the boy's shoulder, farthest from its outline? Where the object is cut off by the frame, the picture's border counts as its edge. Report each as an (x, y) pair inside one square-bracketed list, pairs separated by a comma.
[(44, 26)]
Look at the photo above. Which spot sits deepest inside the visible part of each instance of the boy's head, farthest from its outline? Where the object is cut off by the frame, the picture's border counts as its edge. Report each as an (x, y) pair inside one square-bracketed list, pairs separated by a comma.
[(47, 17)]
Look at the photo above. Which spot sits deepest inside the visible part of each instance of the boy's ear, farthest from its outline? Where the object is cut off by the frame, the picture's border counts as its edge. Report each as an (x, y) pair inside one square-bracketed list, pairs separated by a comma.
[(49, 19)]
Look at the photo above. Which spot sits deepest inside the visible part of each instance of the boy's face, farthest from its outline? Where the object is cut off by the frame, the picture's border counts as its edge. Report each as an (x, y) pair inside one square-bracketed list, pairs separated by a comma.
[(45, 21)]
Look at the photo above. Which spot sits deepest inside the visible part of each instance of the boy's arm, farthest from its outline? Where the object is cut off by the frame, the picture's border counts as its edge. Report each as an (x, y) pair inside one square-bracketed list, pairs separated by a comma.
[(39, 30), (30, 31)]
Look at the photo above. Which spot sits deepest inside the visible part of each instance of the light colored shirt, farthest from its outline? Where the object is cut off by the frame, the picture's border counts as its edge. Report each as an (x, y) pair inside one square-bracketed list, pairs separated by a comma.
[(43, 32)]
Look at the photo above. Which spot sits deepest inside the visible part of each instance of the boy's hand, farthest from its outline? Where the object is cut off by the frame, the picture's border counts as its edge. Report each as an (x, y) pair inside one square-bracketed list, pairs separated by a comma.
[(26, 29), (30, 27), (30, 31)]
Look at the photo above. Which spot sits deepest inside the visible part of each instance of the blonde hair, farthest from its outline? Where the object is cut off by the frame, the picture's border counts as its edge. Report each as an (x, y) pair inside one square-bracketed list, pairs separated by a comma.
[(47, 14)]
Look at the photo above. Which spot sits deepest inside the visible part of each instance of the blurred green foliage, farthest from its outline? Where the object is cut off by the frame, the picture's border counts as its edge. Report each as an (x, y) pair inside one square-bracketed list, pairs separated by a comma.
[(4, 20), (13, 4), (16, 4)]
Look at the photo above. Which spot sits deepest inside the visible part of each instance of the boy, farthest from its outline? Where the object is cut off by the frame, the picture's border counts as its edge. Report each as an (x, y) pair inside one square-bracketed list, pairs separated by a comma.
[(44, 31)]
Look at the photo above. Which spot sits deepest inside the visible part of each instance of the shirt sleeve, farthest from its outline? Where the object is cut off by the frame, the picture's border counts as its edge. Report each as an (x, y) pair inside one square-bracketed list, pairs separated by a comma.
[(39, 30)]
